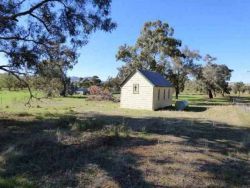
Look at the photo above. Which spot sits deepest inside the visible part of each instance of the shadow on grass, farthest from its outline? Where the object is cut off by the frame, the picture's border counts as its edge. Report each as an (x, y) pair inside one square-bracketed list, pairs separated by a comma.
[(44, 152), (196, 109), (34, 149), (204, 101), (188, 109)]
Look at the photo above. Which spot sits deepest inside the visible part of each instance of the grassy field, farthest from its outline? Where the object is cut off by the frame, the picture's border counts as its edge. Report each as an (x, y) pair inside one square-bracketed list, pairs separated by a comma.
[(72, 142)]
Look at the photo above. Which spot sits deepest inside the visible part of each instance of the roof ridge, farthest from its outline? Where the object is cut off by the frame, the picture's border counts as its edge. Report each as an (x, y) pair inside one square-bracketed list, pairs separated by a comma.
[(155, 78)]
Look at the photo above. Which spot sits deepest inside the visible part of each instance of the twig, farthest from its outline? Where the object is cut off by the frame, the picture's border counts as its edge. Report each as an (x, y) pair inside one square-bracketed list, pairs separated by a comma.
[(15, 74)]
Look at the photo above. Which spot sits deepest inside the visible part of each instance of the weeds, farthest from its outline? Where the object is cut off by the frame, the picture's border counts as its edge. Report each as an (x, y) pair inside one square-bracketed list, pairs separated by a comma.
[(117, 130), (15, 182), (87, 125)]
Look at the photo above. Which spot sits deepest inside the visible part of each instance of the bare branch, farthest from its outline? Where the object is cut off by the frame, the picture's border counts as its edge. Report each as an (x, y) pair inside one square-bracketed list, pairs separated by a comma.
[(21, 39), (32, 9), (16, 75), (40, 20), (5, 66), (14, 17)]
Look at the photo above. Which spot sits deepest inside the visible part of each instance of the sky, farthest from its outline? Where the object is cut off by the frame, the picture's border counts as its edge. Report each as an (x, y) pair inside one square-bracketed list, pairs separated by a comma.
[(220, 28)]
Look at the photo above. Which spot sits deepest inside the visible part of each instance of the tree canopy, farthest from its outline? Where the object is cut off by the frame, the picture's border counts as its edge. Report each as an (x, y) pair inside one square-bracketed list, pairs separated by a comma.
[(153, 49), (214, 77), (157, 50), (34, 31), (182, 66)]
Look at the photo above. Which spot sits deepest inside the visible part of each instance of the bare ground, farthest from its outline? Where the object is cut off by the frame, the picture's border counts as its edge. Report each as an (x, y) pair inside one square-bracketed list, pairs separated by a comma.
[(104, 150)]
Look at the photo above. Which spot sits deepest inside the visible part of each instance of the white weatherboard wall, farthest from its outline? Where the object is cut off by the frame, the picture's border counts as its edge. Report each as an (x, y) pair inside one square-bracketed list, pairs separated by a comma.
[(162, 102), (142, 100)]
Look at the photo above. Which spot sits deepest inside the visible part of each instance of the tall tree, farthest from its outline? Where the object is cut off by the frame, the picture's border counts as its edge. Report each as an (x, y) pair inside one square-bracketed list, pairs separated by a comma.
[(181, 67), (10, 82), (157, 50), (153, 49), (214, 78), (238, 87), (90, 81), (112, 84), (31, 30)]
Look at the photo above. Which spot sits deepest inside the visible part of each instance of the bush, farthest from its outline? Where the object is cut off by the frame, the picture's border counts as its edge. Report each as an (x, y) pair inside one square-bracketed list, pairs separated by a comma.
[(98, 94), (94, 90)]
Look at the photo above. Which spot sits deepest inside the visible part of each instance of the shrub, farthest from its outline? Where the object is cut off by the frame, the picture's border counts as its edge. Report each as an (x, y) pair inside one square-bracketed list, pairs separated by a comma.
[(94, 90), (98, 94)]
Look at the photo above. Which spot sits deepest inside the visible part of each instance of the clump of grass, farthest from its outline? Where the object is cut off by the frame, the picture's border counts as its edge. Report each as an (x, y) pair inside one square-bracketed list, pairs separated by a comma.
[(246, 141), (66, 121), (23, 114), (15, 182), (71, 111), (88, 125), (38, 106), (6, 106), (117, 130)]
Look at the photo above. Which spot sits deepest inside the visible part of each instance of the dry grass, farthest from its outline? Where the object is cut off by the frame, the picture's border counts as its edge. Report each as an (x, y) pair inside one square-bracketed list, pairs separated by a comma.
[(93, 144)]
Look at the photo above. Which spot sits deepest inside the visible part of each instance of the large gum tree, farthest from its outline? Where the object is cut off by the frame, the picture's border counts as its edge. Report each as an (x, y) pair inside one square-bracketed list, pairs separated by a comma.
[(32, 31)]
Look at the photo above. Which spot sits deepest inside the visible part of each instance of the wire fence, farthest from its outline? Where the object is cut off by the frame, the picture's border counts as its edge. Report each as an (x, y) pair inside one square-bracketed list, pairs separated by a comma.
[(241, 103)]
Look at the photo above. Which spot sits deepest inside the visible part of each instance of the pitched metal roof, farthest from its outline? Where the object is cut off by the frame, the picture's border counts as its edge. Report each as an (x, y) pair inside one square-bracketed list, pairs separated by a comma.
[(156, 78), (153, 77)]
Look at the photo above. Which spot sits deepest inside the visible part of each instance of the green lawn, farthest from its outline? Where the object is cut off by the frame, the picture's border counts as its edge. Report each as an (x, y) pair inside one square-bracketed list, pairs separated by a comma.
[(72, 142)]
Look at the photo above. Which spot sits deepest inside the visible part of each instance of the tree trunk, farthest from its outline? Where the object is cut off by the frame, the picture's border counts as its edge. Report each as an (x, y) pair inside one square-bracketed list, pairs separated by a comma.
[(177, 92), (176, 95), (64, 91), (210, 94), (214, 93)]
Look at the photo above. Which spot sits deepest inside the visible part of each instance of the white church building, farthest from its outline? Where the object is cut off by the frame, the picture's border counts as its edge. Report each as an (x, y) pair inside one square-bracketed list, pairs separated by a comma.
[(146, 90)]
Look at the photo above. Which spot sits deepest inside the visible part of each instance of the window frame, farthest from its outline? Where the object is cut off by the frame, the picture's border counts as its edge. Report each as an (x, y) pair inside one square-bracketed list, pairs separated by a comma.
[(137, 86)]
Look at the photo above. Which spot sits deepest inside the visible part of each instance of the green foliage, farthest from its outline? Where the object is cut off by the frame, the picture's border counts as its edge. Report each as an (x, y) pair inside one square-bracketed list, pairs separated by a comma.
[(50, 86), (10, 82), (152, 50), (192, 86), (112, 84), (15, 182), (214, 77), (157, 50), (239, 87), (90, 81), (52, 30), (182, 66)]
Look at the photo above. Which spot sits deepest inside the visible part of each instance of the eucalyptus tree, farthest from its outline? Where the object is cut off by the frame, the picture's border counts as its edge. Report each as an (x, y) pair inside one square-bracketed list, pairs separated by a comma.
[(31, 30), (157, 50), (239, 87), (153, 49), (214, 77), (182, 67)]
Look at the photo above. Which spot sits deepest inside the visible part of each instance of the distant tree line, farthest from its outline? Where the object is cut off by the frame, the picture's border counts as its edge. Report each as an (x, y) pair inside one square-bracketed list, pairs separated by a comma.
[(52, 84), (237, 88)]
